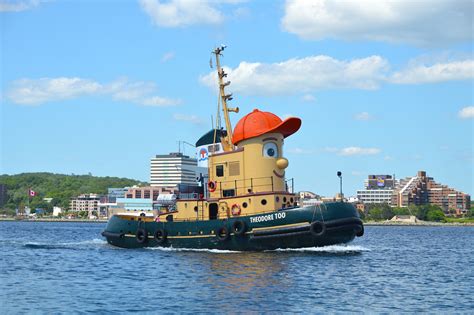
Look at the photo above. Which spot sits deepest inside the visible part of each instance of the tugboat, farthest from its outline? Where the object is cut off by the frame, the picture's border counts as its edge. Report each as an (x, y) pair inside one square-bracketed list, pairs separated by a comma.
[(243, 203)]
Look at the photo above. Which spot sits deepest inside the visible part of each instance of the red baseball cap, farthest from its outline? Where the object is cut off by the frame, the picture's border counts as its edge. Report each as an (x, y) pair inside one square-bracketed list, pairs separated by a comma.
[(258, 123)]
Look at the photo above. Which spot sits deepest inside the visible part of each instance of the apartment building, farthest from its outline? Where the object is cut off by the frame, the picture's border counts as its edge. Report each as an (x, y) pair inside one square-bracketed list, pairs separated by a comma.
[(421, 190), (85, 202)]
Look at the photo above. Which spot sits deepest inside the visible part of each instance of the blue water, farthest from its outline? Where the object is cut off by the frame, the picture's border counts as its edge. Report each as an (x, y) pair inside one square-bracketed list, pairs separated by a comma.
[(68, 267)]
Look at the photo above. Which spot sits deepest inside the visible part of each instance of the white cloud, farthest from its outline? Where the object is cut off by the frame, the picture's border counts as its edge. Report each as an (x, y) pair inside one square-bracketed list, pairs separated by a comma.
[(299, 151), (167, 56), (358, 151), (160, 101), (123, 90), (466, 112), (34, 92), (349, 151), (432, 23), (181, 13), (309, 74), (364, 116), (44, 90), (303, 75), (308, 98), (439, 72), (188, 118), (18, 6)]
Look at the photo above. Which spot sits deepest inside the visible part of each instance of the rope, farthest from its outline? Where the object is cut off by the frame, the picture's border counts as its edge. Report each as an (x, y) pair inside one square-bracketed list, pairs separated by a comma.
[(322, 216)]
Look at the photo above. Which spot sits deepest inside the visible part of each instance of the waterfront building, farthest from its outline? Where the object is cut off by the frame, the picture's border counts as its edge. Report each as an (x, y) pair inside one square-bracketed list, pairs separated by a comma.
[(85, 202), (378, 189), (127, 205), (148, 192), (57, 211), (308, 195), (114, 193), (172, 169), (421, 190)]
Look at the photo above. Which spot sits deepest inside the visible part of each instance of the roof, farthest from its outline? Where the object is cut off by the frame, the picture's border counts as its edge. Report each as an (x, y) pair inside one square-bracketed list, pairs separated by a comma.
[(208, 138)]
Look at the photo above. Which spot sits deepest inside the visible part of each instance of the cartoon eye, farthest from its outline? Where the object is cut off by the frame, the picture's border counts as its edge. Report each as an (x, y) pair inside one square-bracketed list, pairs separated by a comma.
[(270, 149)]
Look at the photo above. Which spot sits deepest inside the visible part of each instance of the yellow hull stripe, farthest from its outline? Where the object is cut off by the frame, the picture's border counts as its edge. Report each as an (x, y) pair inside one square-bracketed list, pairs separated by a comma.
[(213, 235), (176, 236), (269, 228)]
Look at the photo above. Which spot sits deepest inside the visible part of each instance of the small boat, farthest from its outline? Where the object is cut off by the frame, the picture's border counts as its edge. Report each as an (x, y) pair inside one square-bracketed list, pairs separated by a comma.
[(244, 202)]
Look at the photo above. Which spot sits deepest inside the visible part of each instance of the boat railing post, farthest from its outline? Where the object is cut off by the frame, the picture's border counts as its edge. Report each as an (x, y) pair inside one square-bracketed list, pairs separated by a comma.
[(292, 185), (235, 187), (271, 177)]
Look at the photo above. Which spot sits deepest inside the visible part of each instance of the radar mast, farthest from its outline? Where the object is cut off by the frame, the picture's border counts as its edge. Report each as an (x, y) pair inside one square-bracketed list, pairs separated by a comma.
[(227, 143)]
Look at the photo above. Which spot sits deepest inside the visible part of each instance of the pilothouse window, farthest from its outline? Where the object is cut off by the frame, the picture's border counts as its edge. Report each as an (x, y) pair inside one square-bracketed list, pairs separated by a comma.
[(219, 170)]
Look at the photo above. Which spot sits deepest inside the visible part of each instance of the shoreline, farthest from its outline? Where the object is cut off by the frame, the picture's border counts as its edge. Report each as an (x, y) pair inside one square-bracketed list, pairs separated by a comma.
[(421, 223), (54, 220), (368, 223)]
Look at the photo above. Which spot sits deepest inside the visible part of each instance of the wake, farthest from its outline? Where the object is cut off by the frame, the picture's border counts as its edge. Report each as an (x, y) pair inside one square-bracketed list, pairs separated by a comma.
[(68, 245)]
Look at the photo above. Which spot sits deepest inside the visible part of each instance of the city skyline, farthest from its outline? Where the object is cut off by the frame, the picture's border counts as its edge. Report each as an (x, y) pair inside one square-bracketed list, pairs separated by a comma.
[(101, 88)]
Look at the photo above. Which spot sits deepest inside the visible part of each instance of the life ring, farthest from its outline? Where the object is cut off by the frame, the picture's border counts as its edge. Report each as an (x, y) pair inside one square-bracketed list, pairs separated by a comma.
[(317, 228), (223, 234), (160, 236), (141, 236), (236, 209), (239, 227), (212, 185)]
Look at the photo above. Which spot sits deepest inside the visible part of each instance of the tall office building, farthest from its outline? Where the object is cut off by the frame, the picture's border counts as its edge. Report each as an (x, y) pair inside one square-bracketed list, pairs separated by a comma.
[(172, 169), (378, 189)]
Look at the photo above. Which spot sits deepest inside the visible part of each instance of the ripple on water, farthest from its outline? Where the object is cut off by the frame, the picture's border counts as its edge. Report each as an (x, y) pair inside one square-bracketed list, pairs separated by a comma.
[(68, 267)]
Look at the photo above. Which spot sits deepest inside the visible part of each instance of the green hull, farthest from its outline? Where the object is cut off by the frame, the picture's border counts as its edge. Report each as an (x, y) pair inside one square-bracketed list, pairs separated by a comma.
[(328, 224)]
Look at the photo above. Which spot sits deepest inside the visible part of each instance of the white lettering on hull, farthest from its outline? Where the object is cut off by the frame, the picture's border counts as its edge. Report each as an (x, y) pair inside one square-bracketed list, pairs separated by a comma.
[(268, 217)]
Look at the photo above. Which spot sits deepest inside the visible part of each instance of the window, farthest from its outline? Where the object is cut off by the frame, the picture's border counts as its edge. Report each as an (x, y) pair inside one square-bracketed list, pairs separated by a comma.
[(228, 193), (219, 170)]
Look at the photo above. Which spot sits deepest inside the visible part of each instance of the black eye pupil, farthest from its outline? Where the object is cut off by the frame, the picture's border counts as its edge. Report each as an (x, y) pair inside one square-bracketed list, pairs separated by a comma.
[(271, 152)]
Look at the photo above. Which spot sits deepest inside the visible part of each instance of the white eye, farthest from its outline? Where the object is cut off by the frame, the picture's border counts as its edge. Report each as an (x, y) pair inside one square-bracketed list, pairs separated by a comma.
[(270, 149)]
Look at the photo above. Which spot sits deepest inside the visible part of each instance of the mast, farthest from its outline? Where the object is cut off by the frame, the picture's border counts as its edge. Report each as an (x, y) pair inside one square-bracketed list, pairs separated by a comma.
[(227, 141)]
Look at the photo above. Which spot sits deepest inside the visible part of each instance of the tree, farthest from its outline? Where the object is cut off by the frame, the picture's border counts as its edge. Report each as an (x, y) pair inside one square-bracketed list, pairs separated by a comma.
[(57, 186), (435, 215)]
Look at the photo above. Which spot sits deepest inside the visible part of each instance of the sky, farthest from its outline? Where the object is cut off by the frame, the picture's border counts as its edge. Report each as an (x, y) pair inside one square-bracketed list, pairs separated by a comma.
[(382, 87)]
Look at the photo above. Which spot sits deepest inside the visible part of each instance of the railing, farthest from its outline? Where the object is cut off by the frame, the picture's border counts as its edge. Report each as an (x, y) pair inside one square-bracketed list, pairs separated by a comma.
[(245, 186), (239, 187)]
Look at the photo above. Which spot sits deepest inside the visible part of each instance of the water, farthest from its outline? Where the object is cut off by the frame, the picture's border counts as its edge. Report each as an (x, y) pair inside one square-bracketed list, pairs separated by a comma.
[(68, 267)]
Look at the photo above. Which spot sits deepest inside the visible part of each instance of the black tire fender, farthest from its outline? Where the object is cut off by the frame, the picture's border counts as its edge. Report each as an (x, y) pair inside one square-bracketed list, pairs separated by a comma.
[(361, 231), (223, 234), (160, 236), (239, 227), (141, 236), (317, 228)]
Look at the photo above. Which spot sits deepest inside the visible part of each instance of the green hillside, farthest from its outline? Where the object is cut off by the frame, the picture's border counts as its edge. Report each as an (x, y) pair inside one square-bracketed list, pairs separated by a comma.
[(60, 187)]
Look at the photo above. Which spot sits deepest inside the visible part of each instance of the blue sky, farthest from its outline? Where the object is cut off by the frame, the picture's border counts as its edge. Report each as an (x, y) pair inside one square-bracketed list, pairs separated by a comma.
[(102, 86)]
